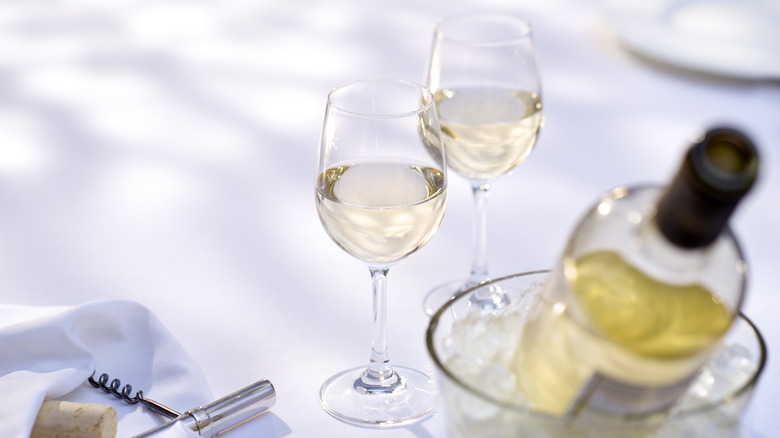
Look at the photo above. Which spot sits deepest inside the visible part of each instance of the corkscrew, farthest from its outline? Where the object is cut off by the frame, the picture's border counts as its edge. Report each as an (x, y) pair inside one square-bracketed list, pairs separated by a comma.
[(210, 420), (125, 394)]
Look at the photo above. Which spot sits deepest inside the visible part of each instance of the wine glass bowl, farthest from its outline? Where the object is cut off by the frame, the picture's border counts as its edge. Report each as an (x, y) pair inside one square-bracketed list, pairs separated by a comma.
[(488, 132), (484, 77), (381, 191)]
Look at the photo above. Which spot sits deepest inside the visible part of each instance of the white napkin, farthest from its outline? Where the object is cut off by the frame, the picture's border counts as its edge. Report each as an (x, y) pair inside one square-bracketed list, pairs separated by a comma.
[(49, 352)]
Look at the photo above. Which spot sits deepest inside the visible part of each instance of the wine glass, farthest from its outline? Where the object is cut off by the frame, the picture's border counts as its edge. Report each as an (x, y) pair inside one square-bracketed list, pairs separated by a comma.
[(484, 78), (381, 192)]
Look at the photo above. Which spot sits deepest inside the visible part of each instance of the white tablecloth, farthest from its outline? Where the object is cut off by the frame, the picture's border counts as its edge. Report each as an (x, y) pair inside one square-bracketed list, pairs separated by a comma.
[(164, 152)]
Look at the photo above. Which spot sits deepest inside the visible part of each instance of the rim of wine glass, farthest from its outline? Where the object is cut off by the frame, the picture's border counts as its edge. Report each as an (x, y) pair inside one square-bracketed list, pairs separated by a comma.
[(525, 33), (524, 409), (426, 102)]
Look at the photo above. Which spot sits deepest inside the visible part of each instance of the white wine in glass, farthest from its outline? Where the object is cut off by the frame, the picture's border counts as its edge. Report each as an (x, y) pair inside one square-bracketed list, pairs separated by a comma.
[(379, 211), (484, 76), (381, 193)]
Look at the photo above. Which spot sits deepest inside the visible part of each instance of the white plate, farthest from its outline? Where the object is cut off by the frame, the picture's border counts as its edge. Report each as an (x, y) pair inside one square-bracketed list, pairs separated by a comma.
[(735, 38)]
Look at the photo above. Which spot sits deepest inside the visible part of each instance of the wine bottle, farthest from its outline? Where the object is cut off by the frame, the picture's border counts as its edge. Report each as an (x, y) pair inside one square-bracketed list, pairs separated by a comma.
[(648, 283)]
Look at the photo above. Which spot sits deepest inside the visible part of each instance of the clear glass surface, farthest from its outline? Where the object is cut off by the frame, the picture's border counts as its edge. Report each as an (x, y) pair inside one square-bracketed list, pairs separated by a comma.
[(483, 74), (381, 191), (472, 350)]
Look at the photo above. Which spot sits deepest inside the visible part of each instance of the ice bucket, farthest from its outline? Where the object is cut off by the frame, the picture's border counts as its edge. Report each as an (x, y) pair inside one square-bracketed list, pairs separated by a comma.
[(472, 347)]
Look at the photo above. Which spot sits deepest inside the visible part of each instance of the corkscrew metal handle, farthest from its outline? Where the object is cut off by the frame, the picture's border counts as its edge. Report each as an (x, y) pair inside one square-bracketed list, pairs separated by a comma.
[(113, 388), (226, 413)]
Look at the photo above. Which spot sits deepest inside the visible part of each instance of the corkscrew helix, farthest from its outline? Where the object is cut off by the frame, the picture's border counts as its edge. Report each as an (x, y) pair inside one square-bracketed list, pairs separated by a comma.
[(125, 392)]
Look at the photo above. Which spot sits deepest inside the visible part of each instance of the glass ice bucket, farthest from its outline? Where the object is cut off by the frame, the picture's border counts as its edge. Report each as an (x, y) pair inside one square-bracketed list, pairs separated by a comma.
[(471, 349)]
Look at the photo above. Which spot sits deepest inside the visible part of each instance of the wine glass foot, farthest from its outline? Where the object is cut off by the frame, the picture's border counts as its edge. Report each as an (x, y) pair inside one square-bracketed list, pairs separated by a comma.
[(410, 399), (439, 295), (488, 298)]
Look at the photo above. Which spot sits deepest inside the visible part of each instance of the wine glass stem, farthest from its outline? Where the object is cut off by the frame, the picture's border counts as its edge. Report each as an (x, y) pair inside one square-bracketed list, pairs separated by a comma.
[(379, 376), (479, 268)]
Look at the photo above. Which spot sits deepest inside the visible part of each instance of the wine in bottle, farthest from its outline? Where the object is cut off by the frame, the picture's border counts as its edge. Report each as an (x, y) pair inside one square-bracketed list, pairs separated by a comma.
[(649, 282)]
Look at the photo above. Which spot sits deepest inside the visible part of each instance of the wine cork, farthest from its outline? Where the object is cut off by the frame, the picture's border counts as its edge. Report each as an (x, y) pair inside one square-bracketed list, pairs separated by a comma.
[(63, 419)]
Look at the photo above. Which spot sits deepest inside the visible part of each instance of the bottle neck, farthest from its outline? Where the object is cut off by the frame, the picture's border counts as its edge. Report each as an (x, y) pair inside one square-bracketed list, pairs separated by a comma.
[(715, 174), (690, 219)]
